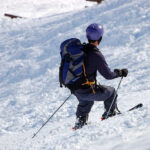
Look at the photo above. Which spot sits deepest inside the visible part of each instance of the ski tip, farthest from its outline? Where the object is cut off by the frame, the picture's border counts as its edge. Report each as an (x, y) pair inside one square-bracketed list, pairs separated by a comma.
[(73, 128), (140, 105), (102, 118)]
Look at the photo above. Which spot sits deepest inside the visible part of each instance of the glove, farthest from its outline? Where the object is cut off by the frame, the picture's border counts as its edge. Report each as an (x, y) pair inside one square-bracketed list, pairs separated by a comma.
[(121, 73)]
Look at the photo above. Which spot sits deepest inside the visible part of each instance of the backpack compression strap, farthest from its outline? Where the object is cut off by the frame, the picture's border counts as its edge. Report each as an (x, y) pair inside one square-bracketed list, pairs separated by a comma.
[(87, 81)]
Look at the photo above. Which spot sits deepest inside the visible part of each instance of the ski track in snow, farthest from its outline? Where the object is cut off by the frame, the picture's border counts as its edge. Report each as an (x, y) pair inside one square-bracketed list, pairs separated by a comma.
[(29, 87)]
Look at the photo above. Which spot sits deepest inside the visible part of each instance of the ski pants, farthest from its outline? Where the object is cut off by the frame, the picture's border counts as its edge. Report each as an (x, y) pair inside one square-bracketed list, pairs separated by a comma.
[(86, 99)]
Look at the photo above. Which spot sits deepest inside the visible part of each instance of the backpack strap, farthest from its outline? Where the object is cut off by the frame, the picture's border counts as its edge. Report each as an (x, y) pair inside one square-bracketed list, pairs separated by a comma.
[(87, 81), (72, 73)]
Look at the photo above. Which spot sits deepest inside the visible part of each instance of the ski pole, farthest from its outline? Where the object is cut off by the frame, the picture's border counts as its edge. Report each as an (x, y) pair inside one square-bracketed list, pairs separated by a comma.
[(114, 97), (51, 116)]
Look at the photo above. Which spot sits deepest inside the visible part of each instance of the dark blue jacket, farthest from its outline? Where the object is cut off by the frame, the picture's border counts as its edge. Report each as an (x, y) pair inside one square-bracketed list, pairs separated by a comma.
[(95, 61)]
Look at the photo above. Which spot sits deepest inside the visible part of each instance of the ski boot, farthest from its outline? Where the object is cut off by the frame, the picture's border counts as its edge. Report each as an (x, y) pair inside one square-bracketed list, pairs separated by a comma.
[(80, 122), (107, 114)]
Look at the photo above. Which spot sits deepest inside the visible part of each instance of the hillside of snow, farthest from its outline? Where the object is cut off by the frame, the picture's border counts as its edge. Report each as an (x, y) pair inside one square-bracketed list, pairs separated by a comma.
[(38, 8), (29, 86)]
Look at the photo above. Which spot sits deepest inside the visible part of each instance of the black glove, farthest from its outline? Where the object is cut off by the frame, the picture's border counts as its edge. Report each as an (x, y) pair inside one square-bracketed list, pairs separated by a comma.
[(121, 73)]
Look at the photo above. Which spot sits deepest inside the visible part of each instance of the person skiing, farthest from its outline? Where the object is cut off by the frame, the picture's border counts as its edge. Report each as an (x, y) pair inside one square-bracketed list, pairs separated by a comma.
[(95, 61)]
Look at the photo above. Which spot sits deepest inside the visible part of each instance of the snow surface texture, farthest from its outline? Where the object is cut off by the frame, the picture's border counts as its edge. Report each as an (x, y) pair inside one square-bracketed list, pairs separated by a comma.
[(29, 87), (40, 8)]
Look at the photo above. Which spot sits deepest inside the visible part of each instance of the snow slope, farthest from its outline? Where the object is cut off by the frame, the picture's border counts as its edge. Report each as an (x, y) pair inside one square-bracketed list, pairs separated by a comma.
[(38, 8), (29, 87)]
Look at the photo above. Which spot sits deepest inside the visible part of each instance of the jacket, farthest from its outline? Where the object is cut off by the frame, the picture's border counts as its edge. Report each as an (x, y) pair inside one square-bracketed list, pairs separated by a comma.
[(95, 61)]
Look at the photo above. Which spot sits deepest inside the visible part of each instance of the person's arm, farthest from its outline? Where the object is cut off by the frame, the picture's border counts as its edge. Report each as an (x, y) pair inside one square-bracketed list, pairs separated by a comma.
[(103, 67)]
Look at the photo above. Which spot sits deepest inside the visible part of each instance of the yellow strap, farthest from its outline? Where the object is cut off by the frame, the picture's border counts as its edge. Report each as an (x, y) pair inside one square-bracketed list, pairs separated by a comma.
[(84, 70), (87, 81), (91, 85)]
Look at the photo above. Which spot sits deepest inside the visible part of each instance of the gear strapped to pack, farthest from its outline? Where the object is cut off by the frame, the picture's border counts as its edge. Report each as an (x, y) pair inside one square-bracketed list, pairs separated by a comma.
[(72, 72)]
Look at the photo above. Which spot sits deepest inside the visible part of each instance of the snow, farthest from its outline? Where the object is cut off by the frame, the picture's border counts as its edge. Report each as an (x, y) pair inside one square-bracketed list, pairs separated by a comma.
[(38, 8), (29, 86)]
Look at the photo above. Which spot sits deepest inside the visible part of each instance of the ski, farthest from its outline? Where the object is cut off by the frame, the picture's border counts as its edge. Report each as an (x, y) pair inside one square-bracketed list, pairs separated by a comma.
[(131, 109), (136, 107)]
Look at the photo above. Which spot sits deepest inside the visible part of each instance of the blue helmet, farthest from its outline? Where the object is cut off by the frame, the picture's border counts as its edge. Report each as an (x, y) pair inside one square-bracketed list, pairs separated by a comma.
[(94, 31)]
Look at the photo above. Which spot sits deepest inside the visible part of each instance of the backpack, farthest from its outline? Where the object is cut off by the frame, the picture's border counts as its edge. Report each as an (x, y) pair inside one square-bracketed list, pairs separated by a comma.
[(72, 72)]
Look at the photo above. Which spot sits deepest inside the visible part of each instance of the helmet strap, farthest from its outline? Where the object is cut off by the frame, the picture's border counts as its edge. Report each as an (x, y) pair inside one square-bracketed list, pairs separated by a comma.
[(99, 40)]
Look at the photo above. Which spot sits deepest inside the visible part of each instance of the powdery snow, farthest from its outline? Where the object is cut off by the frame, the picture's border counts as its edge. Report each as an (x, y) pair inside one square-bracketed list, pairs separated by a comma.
[(29, 87), (40, 8)]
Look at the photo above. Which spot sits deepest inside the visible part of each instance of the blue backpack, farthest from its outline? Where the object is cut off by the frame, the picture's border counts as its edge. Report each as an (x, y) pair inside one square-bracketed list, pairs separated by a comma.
[(72, 58), (72, 72)]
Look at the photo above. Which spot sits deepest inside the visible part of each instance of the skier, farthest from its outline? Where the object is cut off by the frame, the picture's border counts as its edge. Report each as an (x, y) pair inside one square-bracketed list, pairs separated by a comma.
[(94, 61)]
